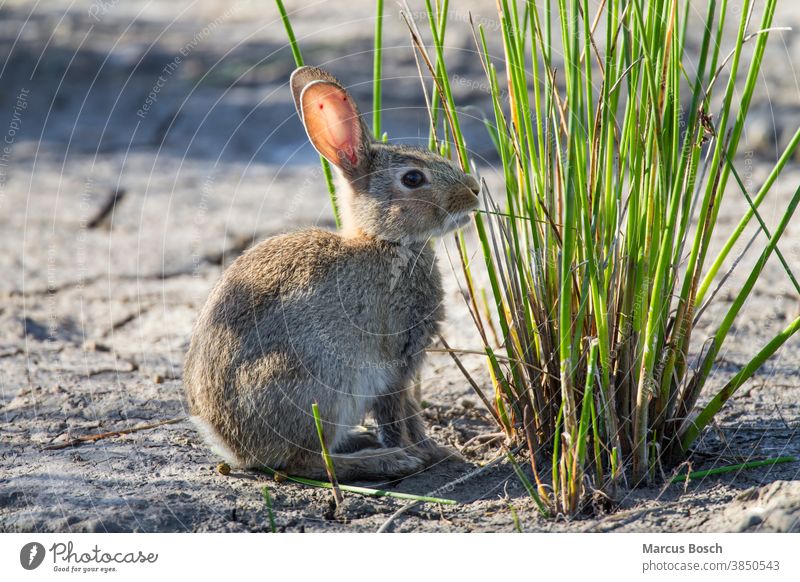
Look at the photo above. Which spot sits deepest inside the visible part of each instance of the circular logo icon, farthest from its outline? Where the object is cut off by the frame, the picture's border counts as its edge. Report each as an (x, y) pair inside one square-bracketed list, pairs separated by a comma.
[(31, 555)]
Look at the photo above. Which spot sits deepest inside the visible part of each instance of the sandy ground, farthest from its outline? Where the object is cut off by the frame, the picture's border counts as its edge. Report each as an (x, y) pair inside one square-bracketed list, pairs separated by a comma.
[(95, 321)]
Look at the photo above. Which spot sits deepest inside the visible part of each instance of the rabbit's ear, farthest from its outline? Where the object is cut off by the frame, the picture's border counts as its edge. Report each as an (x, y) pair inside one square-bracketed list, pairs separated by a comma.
[(334, 125), (305, 75)]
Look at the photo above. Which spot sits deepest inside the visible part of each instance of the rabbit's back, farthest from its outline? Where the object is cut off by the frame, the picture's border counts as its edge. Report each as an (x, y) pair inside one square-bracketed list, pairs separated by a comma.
[(309, 317)]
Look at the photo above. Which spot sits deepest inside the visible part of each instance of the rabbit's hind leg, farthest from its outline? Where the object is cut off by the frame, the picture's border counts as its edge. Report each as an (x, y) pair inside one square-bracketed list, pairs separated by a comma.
[(365, 465), (400, 423), (419, 442), (357, 439)]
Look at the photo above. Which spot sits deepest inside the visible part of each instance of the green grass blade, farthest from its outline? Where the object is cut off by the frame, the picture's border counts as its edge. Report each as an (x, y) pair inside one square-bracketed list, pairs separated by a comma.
[(693, 475), (376, 70), (326, 456), (270, 512), (529, 487), (785, 158), (355, 489), (743, 294), (693, 428), (298, 59)]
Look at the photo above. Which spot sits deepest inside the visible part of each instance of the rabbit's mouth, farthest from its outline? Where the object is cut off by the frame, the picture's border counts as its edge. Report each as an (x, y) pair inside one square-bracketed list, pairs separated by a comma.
[(459, 219), (452, 221)]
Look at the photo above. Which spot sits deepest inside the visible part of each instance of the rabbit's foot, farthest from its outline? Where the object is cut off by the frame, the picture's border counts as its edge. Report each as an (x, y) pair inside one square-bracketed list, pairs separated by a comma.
[(378, 463), (374, 464), (433, 453), (356, 440)]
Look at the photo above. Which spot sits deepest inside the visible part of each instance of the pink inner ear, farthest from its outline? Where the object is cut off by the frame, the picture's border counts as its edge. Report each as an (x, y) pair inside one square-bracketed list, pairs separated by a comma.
[(332, 122)]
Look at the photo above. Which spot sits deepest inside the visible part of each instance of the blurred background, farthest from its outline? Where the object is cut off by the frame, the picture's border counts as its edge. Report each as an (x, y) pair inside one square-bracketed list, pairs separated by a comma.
[(168, 100), (184, 105)]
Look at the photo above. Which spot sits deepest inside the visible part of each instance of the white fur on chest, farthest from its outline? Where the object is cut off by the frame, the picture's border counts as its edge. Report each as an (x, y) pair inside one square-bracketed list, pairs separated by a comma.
[(370, 380)]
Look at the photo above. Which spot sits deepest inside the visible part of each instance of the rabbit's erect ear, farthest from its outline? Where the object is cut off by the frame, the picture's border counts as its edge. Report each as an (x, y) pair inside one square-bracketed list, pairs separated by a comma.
[(305, 75), (334, 125)]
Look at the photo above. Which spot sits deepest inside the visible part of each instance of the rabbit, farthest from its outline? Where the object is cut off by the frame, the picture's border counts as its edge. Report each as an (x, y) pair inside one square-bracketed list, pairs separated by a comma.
[(341, 319)]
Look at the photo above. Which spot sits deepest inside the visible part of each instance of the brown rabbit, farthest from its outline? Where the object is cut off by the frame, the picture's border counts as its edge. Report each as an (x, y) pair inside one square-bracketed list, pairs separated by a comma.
[(341, 319)]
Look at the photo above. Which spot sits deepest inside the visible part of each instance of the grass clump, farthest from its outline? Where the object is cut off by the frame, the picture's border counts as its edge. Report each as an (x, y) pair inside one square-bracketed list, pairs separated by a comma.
[(598, 260), (617, 145)]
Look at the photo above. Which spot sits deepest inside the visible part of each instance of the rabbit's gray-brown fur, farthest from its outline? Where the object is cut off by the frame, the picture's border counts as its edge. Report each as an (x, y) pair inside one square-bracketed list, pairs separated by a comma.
[(338, 319)]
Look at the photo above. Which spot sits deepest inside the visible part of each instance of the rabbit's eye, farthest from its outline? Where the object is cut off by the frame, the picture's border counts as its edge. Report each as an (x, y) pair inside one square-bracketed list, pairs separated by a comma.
[(413, 179)]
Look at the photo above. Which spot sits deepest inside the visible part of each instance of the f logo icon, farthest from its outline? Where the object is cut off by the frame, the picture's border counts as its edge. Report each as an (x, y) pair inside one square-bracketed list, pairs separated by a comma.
[(31, 555)]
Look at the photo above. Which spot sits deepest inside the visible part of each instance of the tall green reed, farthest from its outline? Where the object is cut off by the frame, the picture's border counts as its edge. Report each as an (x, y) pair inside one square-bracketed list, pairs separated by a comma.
[(614, 173)]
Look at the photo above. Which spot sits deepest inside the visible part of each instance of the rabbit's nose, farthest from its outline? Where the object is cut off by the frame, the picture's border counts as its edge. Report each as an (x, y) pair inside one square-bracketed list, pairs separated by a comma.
[(472, 184)]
